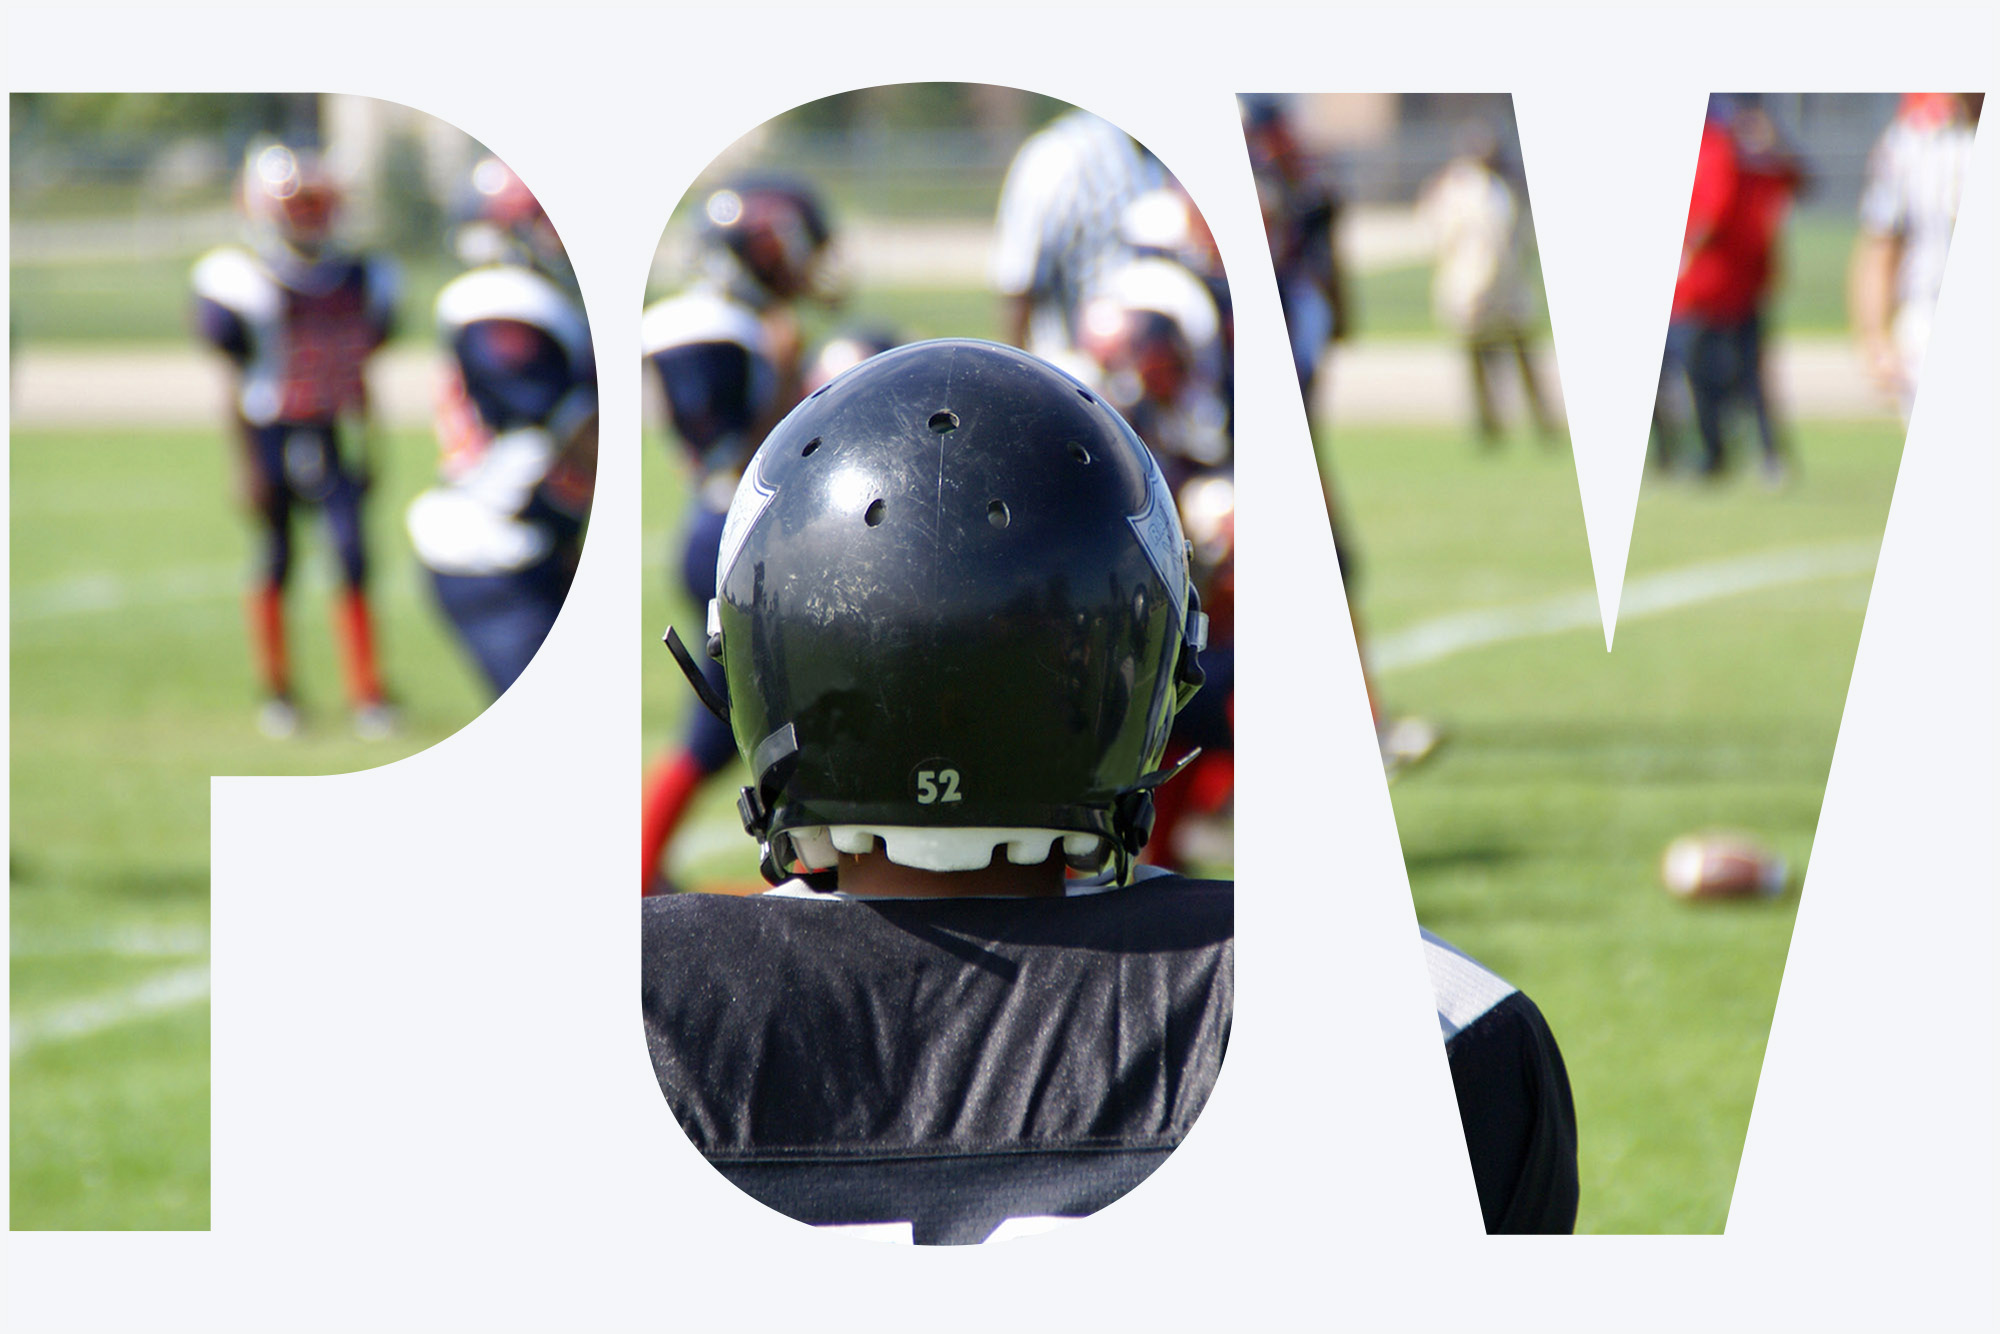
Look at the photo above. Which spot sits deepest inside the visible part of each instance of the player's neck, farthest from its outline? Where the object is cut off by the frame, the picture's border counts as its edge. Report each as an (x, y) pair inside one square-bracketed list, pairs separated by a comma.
[(875, 876)]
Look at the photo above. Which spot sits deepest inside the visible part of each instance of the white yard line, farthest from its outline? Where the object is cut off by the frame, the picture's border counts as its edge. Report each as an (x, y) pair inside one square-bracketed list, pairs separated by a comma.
[(105, 592), (86, 594), (1649, 595), (129, 942), (158, 994)]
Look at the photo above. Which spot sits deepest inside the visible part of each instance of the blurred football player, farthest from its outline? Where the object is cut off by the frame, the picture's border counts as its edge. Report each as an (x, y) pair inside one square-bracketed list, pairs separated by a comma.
[(727, 354), (1153, 336), (298, 316), (955, 614), (1164, 223), (842, 352), (1301, 209), (1061, 205), (1745, 178), (1915, 177), (1153, 339), (1479, 287), (501, 532)]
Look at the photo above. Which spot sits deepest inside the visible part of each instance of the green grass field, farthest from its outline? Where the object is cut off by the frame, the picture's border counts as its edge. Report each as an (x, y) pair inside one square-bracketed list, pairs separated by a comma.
[(132, 684), (1533, 838)]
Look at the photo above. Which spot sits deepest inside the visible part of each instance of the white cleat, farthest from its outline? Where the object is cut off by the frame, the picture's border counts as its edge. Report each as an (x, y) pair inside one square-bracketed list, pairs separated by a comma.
[(278, 719), (377, 721), (1406, 742)]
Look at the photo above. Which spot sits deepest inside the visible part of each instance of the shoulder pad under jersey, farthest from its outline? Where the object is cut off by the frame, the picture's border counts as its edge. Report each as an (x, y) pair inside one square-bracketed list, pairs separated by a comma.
[(701, 317), (510, 292), (1465, 988), (239, 282)]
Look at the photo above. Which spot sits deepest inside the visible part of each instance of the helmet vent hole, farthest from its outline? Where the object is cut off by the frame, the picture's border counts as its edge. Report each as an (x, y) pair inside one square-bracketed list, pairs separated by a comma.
[(944, 420), (1078, 452), (811, 445), (1086, 396), (873, 516), (996, 513)]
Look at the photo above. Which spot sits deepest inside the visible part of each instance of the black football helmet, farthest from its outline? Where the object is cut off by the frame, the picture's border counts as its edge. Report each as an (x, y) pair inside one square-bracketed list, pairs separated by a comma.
[(954, 611)]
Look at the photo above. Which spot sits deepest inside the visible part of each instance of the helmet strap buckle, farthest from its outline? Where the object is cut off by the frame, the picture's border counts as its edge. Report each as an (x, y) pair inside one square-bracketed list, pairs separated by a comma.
[(774, 761)]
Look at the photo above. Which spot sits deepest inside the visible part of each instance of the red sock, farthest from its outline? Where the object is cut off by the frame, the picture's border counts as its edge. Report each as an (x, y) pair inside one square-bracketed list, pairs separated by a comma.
[(266, 608), (669, 789), (357, 640)]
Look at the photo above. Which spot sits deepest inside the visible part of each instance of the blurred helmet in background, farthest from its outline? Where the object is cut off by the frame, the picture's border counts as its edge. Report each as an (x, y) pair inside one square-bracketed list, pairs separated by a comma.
[(777, 232), (501, 222), (842, 352), (290, 198)]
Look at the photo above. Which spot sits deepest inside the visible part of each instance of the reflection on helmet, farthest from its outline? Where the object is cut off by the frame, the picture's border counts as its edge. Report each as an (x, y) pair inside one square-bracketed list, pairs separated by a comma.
[(955, 614)]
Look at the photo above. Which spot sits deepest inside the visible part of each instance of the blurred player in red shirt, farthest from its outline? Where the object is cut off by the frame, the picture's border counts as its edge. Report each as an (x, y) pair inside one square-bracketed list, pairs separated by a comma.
[(1744, 182)]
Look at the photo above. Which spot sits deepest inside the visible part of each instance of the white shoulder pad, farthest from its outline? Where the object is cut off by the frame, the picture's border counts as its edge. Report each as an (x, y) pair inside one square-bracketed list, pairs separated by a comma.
[(236, 280), (508, 292), (1465, 989), (700, 317)]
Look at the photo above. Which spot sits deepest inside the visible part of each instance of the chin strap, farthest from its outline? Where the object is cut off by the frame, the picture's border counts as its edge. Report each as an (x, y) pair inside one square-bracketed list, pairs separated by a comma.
[(711, 700), (1132, 814)]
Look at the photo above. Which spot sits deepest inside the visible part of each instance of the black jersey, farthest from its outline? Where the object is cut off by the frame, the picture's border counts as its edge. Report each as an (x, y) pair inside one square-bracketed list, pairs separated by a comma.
[(946, 1063), (1513, 1095)]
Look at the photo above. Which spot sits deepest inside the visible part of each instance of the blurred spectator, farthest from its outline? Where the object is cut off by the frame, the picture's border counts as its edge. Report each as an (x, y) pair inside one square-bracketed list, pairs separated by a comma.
[(1058, 225), (298, 316), (1479, 289), (1915, 176), (1745, 179)]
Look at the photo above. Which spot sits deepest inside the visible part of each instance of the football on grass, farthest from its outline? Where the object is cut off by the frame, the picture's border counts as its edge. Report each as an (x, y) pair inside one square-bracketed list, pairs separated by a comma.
[(1722, 865)]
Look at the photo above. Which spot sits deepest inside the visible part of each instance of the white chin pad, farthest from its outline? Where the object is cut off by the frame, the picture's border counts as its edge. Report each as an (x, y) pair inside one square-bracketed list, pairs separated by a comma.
[(815, 849), (942, 849)]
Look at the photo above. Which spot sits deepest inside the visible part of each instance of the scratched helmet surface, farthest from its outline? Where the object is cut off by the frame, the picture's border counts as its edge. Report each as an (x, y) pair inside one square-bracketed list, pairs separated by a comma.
[(953, 595)]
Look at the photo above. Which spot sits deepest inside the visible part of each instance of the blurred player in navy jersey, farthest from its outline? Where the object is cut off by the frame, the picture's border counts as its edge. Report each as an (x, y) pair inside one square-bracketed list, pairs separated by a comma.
[(957, 621), (517, 429), (298, 316), (727, 353), (1301, 210)]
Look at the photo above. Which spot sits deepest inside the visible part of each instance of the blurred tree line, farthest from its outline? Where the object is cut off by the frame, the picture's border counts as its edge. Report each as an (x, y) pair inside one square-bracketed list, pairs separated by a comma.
[(143, 120)]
